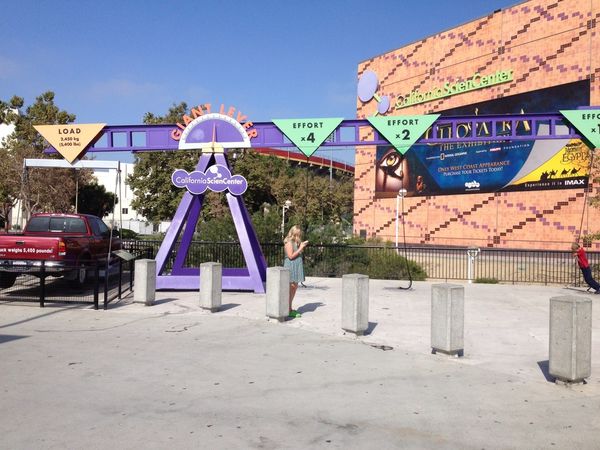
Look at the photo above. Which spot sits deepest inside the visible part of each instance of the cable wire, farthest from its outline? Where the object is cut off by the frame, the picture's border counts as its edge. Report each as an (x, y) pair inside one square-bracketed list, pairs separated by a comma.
[(585, 196)]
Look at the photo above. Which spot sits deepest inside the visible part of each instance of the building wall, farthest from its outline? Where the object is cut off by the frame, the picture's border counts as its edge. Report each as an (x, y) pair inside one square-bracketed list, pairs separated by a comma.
[(124, 215), (546, 43)]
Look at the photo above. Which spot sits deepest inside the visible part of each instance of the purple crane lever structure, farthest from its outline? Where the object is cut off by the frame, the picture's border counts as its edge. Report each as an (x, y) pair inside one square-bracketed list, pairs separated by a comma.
[(350, 133), (223, 130), (251, 278)]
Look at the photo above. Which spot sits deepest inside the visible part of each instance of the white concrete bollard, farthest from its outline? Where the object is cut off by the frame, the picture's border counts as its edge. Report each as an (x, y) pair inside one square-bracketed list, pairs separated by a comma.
[(355, 303), (211, 283), (144, 288), (447, 318), (278, 293), (570, 350)]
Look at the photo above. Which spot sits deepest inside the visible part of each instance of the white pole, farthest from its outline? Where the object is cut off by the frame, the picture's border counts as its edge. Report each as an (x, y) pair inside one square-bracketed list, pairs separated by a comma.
[(472, 253), (285, 207), (469, 268)]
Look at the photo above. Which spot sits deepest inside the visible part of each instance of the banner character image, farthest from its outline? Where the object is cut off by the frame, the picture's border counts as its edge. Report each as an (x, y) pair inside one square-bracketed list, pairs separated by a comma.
[(421, 186), (392, 172)]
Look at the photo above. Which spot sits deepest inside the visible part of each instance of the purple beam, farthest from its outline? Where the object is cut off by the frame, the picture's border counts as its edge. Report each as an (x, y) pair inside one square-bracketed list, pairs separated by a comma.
[(143, 138), (251, 278)]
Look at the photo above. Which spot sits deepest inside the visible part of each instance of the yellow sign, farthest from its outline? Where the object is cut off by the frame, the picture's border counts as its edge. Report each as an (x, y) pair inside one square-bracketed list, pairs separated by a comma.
[(70, 140), (570, 162)]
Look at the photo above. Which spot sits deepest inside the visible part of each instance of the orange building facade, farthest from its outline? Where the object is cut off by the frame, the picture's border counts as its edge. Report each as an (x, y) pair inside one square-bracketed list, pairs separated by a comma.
[(552, 49)]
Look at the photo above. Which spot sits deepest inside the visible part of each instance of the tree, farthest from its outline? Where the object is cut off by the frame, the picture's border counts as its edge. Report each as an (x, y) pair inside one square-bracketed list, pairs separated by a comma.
[(594, 178), (271, 181), (94, 199), (155, 197), (38, 189)]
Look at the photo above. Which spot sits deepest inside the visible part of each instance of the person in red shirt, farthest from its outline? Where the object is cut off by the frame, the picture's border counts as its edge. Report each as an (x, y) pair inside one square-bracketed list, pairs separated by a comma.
[(584, 265)]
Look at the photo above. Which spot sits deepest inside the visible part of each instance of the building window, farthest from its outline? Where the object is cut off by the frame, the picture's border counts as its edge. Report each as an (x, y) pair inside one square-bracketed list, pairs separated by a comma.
[(125, 210)]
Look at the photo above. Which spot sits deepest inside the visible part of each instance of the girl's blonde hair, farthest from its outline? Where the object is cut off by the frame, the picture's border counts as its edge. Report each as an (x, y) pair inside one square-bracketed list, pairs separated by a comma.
[(295, 235)]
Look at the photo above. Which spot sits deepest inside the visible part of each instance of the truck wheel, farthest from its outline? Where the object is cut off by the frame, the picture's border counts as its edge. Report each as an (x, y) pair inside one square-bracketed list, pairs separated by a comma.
[(80, 277), (7, 279)]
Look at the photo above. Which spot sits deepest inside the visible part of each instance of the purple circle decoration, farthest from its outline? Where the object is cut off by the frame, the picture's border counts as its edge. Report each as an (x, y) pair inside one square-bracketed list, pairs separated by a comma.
[(383, 105), (367, 85)]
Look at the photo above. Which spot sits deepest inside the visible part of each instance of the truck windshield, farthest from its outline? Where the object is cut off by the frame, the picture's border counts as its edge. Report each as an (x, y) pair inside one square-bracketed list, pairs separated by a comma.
[(57, 225)]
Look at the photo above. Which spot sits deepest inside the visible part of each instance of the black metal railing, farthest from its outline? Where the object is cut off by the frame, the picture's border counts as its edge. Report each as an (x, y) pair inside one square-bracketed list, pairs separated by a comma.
[(102, 283), (381, 261)]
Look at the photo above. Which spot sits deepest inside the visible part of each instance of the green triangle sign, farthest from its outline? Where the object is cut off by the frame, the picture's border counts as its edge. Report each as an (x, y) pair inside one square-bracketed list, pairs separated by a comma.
[(403, 131), (307, 134), (587, 122)]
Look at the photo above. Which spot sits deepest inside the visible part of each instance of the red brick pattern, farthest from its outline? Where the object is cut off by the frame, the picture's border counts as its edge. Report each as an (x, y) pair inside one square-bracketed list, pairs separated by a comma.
[(546, 43)]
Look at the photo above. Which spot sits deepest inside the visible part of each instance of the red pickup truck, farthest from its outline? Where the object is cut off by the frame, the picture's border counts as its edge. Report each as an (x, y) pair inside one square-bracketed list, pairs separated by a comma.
[(69, 245)]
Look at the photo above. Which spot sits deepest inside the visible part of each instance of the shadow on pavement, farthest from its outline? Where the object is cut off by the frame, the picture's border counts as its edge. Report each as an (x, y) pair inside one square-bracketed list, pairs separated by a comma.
[(545, 367), (164, 300), (370, 328), (309, 307), (322, 288), (9, 337), (227, 306), (60, 308), (397, 288)]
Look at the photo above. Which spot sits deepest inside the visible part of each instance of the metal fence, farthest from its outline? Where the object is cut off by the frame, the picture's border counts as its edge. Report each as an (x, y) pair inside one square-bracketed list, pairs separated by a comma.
[(102, 284), (438, 263)]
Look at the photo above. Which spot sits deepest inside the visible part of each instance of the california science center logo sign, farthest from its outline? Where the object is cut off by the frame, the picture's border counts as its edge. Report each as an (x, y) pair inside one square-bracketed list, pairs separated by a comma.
[(368, 84), (217, 178)]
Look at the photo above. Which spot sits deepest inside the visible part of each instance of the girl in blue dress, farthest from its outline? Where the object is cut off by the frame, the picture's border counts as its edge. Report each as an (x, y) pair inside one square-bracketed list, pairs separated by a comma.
[(294, 246)]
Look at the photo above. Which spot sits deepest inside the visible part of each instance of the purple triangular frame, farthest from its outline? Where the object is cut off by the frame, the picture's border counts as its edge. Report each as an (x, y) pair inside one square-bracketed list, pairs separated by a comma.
[(251, 278)]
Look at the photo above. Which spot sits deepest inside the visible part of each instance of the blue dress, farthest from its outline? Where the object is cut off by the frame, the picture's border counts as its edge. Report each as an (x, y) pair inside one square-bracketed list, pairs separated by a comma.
[(296, 266)]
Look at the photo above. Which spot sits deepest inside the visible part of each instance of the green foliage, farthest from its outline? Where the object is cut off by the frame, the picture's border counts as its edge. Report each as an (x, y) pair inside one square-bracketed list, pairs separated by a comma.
[(319, 261), (594, 198), (316, 199), (267, 224), (218, 229), (156, 198), (376, 262), (42, 189), (126, 233), (94, 199), (486, 280), (589, 238), (386, 264), (326, 205)]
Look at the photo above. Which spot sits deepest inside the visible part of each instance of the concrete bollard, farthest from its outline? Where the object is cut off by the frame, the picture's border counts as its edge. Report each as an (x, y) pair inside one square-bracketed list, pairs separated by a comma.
[(278, 293), (144, 289), (447, 318), (355, 303), (570, 350), (211, 282)]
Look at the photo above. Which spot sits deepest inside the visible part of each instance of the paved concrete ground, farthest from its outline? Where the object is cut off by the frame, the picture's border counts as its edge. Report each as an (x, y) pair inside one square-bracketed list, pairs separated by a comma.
[(174, 376)]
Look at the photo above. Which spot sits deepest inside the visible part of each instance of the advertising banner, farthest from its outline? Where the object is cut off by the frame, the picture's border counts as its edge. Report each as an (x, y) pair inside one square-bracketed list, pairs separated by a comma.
[(477, 167)]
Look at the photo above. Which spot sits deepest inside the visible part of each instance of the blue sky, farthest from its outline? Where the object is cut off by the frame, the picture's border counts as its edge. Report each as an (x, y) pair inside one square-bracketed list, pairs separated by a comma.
[(113, 61)]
